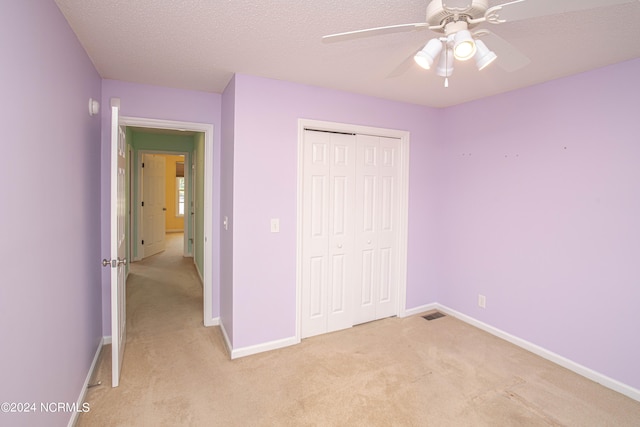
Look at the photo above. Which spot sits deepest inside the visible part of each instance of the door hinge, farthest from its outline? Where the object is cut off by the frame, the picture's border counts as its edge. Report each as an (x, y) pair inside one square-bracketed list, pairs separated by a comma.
[(142, 164), (143, 242), (142, 203)]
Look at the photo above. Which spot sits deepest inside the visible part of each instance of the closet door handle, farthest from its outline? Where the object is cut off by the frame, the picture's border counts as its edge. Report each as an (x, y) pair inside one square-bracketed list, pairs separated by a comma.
[(339, 245)]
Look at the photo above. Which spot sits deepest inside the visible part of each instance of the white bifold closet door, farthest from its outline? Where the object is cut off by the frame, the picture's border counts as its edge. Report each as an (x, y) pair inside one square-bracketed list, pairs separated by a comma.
[(376, 246), (328, 232), (349, 243)]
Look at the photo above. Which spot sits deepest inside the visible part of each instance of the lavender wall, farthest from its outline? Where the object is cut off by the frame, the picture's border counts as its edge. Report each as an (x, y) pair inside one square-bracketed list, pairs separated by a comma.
[(264, 183), (50, 320), (541, 216), (155, 102), (226, 209)]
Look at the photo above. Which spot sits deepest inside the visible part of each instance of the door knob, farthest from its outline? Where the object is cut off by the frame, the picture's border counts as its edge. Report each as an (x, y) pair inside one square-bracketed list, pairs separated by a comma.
[(164, 209), (368, 242), (122, 261), (339, 245)]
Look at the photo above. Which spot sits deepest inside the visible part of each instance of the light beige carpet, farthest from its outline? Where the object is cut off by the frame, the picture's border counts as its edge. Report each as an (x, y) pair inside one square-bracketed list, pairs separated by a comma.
[(393, 372)]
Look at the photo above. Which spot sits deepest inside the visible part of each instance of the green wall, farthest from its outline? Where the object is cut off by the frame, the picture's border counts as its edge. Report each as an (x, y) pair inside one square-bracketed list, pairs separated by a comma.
[(151, 141), (199, 197)]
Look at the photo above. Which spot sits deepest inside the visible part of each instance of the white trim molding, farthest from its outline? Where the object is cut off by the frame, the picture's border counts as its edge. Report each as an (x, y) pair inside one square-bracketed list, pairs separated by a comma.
[(579, 369), (214, 321), (227, 341), (260, 348), (85, 386), (207, 129), (235, 353), (421, 309)]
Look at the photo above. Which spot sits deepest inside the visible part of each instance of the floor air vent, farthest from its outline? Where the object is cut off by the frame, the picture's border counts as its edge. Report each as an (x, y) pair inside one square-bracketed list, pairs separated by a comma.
[(433, 316)]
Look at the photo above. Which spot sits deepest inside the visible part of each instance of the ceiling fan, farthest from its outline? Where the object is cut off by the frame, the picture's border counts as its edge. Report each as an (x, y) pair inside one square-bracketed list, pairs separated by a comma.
[(456, 21)]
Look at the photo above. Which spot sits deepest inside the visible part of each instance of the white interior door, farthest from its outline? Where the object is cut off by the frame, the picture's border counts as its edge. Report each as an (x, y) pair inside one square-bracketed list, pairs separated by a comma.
[(153, 203), (328, 232), (118, 243), (377, 212)]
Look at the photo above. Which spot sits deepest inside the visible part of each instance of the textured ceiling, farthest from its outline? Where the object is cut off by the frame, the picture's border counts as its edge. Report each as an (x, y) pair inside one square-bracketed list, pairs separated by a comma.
[(199, 44)]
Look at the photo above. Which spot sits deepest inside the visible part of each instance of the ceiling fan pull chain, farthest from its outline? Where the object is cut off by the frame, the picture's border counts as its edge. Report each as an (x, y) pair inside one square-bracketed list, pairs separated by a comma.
[(446, 73)]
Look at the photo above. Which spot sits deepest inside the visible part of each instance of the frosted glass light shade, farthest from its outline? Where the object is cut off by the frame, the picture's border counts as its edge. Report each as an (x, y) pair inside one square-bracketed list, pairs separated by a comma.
[(483, 55), (428, 54), (445, 65)]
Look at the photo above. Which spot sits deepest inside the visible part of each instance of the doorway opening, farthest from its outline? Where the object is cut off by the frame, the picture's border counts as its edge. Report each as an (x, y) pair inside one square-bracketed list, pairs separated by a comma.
[(197, 195), (164, 198)]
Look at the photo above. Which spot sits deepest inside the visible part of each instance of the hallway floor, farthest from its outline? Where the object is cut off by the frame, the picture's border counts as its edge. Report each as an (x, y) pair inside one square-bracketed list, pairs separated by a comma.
[(165, 336), (164, 294)]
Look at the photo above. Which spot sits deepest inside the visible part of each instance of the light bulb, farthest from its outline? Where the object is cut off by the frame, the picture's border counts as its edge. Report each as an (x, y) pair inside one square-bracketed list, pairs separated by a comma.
[(463, 45)]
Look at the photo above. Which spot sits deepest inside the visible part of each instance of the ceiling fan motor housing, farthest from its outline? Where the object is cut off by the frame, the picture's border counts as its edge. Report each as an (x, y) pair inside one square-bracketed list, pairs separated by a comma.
[(438, 15)]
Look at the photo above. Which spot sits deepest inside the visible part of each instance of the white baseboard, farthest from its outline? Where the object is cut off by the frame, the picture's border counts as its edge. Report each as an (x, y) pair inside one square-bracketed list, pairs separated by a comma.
[(259, 348), (604, 380), (421, 309), (106, 340), (195, 264), (227, 342), (214, 321), (235, 353), (83, 390)]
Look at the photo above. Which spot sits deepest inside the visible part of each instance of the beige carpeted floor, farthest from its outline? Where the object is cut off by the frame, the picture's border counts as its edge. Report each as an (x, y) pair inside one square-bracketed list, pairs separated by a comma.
[(393, 372)]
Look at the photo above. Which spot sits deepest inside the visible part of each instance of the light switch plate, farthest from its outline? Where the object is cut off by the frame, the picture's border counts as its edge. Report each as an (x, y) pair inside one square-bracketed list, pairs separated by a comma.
[(275, 225)]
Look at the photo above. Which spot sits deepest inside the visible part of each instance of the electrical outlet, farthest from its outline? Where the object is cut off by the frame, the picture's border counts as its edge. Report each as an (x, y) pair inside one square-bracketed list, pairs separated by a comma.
[(275, 225), (482, 301)]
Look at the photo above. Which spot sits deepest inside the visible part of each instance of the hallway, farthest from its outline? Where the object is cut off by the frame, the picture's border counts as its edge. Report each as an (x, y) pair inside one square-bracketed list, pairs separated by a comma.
[(164, 294), (165, 338)]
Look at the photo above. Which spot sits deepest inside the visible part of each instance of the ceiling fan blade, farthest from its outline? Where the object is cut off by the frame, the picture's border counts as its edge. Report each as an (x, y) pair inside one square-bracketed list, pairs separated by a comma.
[(524, 9), (349, 35), (404, 66), (509, 57)]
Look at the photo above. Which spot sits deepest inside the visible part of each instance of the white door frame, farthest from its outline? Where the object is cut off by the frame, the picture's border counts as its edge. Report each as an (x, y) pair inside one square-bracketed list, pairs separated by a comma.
[(403, 200), (207, 129), (188, 199)]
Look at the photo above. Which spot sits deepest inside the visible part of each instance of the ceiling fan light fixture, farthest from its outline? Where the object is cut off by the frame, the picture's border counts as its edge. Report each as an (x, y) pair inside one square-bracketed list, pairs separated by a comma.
[(464, 47), (445, 64), (483, 55), (428, 54)]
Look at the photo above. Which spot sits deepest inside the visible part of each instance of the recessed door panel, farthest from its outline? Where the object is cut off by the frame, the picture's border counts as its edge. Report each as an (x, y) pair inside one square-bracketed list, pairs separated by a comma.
[(385, 275), (318, 211), (368, 203), (340, 205), (388, 205), (340, 155), (338, 284), (319, 153), (317, 273), (367, 275)]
